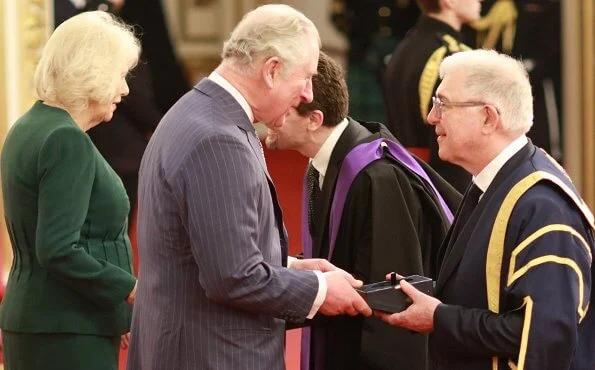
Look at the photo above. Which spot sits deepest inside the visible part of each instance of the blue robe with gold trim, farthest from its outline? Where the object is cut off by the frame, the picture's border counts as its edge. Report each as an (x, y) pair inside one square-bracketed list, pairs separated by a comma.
[(516, 281)]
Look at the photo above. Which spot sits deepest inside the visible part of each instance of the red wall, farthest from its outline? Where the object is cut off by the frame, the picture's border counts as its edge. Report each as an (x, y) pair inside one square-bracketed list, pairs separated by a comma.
[(287, 170)]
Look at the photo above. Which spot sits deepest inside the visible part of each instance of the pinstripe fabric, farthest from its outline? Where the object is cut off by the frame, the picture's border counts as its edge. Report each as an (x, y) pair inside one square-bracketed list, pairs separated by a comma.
[(212, 291)]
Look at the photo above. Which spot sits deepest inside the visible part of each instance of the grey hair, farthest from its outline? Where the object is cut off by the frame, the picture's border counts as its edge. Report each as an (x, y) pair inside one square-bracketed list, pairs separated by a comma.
[(273, 30), (83, 60), (496, 79)]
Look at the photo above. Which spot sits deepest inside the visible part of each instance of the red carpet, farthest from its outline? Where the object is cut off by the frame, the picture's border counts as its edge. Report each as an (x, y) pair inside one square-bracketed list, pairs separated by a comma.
[(287, 170)]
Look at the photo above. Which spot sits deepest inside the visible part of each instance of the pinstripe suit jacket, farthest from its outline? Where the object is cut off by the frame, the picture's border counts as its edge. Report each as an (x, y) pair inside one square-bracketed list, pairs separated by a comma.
[(213, 292)]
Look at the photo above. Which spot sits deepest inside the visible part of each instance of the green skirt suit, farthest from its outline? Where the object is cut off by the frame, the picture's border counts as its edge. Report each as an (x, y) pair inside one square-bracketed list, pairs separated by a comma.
[(66, 213)]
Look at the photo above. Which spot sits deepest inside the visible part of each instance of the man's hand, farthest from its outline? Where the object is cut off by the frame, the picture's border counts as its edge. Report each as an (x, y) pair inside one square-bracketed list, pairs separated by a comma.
[(419, 316), (132, 295), (315, 264), (341, 297)]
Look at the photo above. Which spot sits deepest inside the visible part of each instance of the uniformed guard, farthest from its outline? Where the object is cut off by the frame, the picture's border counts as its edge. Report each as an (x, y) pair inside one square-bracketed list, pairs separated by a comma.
[(411, 79)]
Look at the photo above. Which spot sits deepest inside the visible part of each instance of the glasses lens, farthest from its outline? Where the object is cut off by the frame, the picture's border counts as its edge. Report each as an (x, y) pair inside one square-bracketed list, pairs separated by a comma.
[(436, 106)]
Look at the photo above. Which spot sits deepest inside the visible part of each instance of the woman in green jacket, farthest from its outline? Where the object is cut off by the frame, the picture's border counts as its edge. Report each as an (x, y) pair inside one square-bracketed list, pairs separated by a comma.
[(71, 284)]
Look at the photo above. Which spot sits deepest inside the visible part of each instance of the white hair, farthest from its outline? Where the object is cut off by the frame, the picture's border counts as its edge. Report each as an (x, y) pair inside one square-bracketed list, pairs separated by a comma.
[(496, 79), (83, 60), (273, 30)]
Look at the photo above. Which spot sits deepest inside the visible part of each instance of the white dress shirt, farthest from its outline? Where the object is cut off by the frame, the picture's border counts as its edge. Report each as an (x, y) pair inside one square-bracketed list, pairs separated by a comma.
[(487, 175), (322, 158)]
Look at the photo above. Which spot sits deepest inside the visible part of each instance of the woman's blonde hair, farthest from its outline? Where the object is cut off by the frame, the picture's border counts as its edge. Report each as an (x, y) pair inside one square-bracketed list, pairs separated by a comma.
[(83, 60)]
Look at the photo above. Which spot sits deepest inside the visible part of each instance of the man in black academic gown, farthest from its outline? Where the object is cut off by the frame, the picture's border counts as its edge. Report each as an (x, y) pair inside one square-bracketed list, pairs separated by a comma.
[(514, 285), (392, 220)]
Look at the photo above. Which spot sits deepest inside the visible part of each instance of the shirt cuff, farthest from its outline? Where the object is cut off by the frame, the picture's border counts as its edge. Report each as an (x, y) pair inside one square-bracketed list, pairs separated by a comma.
[(319, 300), (290, 261)]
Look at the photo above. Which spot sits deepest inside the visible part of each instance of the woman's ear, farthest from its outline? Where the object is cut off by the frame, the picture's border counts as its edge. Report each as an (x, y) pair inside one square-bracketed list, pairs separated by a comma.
[(270, 70)]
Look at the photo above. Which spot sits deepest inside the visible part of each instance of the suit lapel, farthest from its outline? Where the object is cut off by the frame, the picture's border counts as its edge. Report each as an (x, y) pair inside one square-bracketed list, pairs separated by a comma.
[(237, 115), (258, 151), (457, 244), (354, 132)]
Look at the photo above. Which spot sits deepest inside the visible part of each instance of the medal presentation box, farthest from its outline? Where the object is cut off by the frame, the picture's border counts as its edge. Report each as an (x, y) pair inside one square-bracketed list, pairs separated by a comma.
[(387, 296)]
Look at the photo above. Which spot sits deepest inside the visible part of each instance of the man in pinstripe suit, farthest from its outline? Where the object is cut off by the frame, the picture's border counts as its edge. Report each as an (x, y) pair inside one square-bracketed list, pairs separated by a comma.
[(214, 291)]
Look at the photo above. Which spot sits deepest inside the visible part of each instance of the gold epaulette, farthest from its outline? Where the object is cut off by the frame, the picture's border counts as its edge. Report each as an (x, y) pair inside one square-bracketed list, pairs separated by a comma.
[(499, 22), (453, 44), (429, 75), (428, 79)]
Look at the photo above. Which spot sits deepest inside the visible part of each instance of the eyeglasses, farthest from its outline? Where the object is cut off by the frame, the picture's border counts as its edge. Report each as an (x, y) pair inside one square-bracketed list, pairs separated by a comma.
[(438, 105)]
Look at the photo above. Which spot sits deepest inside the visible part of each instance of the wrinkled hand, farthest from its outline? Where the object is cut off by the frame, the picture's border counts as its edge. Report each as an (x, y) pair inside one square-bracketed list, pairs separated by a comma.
[(132, 295), (419, 316), (125, 340), (341, 297), (315, 264)]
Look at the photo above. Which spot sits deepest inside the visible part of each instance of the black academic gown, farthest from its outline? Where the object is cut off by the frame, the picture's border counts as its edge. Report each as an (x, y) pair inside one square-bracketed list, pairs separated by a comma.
[(521, 264), (391, 222)]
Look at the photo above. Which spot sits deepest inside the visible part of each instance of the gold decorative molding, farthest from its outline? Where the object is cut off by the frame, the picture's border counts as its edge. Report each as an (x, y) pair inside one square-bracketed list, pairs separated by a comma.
[(199, 30), (5, 249), (3, 92), (578, 75), (588, 93), (198, 68), (33, 34), (200, 3), (30, 30)]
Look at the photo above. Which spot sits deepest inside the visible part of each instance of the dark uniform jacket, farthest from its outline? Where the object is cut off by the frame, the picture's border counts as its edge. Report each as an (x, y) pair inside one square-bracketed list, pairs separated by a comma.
[(517, 280), (392, 221), (65, 210), (411, 79)]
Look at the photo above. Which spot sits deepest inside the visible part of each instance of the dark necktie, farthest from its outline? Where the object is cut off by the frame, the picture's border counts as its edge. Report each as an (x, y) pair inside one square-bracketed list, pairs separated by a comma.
[(313, 193), (465, 210), (313, 181), (469, 203)]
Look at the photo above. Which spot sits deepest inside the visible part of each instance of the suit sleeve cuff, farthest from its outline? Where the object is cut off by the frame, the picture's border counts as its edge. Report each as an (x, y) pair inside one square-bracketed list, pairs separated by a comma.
[(320, 296), (290, 261), (443, 313)]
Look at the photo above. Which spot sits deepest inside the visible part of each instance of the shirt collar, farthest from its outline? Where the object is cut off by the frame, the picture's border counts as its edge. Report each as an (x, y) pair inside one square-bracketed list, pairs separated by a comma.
[(487, 175), (221, 81), (322, 158), (433, 25)]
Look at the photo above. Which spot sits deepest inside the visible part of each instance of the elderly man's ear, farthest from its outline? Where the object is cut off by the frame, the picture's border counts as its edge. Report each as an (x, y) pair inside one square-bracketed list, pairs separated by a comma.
[(492, 119), (271, 69), (315, 120)]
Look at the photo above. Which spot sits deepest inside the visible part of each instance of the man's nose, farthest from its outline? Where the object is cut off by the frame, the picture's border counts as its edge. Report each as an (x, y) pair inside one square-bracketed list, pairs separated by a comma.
[(308, 94), (433, 115)]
